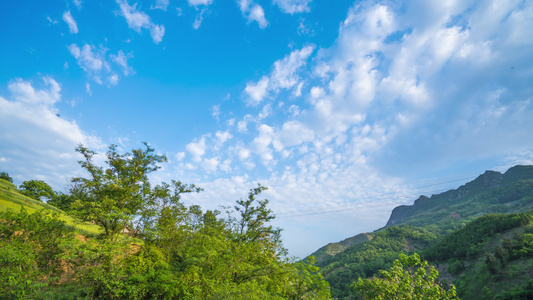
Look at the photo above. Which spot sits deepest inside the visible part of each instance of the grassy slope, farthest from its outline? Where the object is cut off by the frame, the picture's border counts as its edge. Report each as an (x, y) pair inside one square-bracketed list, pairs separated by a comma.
[(10, 198)]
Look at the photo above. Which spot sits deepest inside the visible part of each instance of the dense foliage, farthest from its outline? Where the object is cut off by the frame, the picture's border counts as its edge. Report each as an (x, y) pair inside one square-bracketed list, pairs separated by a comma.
[(367, 259), (409, 278), (469, 240), (5, 176), (37, 189), (171, 251)]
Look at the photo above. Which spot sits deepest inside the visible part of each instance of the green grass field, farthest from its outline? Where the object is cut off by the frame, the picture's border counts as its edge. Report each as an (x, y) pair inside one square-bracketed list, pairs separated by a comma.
[(10, 198)]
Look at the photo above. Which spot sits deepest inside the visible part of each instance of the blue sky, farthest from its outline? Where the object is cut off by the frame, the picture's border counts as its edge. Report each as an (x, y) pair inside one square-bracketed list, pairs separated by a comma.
[(343, 109)]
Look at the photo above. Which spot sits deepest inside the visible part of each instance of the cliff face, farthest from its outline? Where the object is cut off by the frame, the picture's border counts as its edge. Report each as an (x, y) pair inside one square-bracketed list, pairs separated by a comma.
[(487, 181), (403, 212)]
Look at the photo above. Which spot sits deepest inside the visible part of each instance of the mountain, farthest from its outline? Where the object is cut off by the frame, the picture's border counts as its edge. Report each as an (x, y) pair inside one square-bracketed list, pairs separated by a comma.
[(428, 222), (498, 192)]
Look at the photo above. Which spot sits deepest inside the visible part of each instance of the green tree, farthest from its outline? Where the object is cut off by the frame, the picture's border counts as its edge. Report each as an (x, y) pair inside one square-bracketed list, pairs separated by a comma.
[(37, 189), (409, 278), (500, 254), (5, 176), (31, 251), (254, 218), (62, 201), (112, 197), (307, 282), (490, 260)]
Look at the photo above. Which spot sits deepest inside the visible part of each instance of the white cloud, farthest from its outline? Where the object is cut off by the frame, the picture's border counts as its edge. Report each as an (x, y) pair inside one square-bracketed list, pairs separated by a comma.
[(161, 4), (294, 133), (157, 32), (88, 59), (257, 91), (199, 19), (95, 63), (88, 89), (244, 154), (137, 20), (258, 14), (72, 26), (180, 156), (295, 110), (39, 143), (283, 76), (211, 164), (223, 136), (77, 3), (215, 111), (113, 79), (199, 2), (52, 22), (261, 144), (121, 59), (197, 149), (265, 112), (293, 6), (253, 12), (242, 126)]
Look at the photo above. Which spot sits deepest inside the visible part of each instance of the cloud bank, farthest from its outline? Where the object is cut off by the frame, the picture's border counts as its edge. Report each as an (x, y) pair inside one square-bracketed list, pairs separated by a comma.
[(38, 136)]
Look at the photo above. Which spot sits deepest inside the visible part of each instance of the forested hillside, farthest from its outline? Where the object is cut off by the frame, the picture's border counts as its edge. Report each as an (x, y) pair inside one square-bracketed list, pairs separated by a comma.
[(456, 231), (147, 243)]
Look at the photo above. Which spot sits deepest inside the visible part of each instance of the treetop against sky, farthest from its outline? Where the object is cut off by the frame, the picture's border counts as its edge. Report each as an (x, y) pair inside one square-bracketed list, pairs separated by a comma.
[(342, 109)]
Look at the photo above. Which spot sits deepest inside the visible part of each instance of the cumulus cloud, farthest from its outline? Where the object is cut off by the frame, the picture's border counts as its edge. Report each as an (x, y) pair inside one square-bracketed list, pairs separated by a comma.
[(293, 6), (223, 136), (211, 164), (253, 12), (261, 144), (197, 149), (72, 26), (137, 20), (283, 76), (294, 133), (39, 143), (257, 91), (90, 59)]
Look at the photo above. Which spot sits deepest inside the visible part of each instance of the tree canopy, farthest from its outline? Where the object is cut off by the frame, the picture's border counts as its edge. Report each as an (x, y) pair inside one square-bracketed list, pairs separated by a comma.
[(5, 176), (113, 196), (37, 189), (409, 278)]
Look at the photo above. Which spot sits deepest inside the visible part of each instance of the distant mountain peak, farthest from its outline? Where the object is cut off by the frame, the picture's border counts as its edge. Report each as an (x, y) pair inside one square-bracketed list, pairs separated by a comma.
[(486, 181)]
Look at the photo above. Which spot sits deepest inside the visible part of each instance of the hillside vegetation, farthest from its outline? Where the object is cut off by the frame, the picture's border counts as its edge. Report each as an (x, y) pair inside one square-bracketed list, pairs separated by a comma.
[(11, 198), (455, 230), (146, 245)]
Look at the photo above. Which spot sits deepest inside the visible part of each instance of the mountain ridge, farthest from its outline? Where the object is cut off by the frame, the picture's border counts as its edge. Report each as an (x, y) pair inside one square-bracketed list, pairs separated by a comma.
[(487, 180), (428, 220)]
